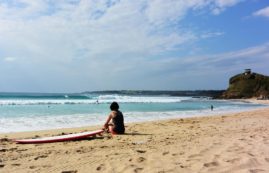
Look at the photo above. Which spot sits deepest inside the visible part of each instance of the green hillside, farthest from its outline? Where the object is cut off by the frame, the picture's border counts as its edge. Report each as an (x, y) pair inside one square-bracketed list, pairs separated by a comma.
[(248, 85)]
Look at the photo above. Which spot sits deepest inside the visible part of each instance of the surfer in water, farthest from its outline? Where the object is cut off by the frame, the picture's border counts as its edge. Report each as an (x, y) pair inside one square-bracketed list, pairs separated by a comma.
[(212, 107), (116, 126)]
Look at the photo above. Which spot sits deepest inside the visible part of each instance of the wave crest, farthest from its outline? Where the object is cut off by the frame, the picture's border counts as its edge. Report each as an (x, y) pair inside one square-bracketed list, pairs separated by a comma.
[(93, 100)]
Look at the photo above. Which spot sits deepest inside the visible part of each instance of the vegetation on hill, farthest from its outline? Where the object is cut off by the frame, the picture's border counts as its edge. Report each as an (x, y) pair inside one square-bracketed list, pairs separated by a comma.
[(248, 85)]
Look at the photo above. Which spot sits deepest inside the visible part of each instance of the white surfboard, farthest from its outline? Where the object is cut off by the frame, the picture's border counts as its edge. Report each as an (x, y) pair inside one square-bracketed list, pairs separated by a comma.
[(60, 138)]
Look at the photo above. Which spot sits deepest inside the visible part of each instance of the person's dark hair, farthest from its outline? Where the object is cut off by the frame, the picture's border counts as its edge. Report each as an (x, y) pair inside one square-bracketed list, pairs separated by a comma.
[(114, 106)]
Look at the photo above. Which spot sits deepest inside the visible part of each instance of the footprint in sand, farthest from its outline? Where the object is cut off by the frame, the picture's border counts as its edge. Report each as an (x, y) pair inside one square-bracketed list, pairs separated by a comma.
[(137, 170), (42, 156), (4, 140), (12, 149), (251, 154), (233, 160), (141, 151), (3, 150), (72, 171), (235, 148), (32, 167), (46, 166), (21, 150), (2, 165), (140, 159), (210, 164), (266, 159), (181, 153), (165, 153), (100, 167), (79, 151), (194, 155), (256, 170)]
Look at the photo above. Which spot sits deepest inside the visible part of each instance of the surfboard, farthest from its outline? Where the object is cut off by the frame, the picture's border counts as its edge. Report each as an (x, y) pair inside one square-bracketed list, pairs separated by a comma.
[(60, 138)]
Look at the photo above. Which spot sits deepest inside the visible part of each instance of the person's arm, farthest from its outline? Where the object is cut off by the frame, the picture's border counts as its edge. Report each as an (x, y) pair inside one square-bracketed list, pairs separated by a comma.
[(107, 121)]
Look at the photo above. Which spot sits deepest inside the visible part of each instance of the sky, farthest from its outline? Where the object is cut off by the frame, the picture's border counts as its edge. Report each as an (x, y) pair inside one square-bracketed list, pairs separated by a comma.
[(89, 45)]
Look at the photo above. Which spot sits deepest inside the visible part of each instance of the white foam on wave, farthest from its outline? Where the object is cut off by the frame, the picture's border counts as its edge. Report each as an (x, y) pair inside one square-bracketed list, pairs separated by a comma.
[(34, 123), (44, 101), (143, 99), (101, 99)]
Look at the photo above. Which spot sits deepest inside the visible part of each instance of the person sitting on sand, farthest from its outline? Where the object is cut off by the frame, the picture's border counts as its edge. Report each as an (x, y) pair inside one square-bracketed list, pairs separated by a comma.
[(117, 125)]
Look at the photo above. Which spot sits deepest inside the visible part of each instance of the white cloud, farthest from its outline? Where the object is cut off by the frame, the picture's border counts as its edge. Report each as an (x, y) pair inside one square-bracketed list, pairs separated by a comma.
[(93, 42), (221, 5), (9, 59), (211, 34), (97, 28), (219, 63), (262, 12)]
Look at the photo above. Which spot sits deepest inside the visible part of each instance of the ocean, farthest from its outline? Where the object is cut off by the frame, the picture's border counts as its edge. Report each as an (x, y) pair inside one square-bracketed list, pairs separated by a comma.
[(21, 112)]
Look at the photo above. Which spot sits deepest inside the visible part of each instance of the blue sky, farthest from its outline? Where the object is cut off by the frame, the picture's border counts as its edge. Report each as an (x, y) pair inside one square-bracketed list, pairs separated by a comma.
[(84, 45)]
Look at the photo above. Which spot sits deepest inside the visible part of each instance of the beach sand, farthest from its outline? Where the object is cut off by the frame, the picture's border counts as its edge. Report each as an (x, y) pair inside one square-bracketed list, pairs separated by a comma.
[(237, 142)]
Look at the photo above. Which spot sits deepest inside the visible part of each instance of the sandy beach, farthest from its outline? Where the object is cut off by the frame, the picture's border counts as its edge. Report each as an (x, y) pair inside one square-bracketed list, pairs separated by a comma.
[(235, 142)]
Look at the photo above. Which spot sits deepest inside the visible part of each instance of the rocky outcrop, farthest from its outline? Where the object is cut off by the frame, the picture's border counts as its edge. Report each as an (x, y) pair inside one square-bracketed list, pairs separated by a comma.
[(248, 85)]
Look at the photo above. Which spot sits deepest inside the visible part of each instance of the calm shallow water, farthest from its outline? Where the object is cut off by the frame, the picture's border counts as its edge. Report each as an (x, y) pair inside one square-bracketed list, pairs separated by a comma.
[(31, 112)]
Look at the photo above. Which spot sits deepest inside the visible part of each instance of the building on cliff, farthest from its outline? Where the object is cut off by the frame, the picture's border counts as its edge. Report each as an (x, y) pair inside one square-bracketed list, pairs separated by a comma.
[(247, 71)]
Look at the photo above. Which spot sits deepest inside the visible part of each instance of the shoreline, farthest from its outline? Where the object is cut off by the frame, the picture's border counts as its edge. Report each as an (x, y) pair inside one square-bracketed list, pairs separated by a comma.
[(255, 100), (236, 142), (61, 131)]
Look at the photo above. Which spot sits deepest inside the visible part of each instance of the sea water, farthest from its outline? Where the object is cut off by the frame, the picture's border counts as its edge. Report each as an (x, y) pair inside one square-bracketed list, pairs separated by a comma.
[(34, 111)]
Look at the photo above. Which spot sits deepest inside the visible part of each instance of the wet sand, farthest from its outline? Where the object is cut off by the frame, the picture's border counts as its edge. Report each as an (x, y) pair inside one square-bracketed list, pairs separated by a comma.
[(236, 142)]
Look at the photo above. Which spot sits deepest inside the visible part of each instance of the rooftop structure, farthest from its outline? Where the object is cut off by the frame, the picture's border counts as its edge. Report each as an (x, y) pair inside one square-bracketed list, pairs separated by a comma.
[(247, 71)]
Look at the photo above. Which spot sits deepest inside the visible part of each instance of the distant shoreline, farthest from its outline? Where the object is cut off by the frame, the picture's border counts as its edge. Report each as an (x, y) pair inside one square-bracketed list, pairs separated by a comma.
[(129, 92)]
